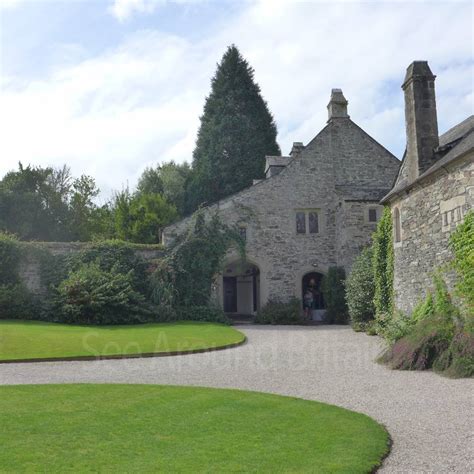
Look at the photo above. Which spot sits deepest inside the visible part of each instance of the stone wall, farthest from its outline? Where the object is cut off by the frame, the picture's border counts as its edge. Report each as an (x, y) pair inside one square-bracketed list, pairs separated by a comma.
[(429, 214), (30, 270), (341, 156)]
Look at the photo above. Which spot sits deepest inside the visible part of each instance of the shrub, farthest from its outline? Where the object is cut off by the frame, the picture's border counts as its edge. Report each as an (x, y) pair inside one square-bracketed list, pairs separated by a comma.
[(435, 337), (16, 302), (9, 259), (278, 312), (422, 346), (393, 328), (360, 290), (91, 295), (201, 313), (334, 295), (462, 244), (114, 255), (383, 265)]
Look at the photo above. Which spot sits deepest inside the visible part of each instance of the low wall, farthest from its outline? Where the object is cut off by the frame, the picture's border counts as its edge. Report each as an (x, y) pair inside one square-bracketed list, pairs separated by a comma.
[(30, 269)]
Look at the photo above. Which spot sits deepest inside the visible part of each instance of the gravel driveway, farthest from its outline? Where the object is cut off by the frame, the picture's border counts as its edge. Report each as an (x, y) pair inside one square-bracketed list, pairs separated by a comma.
[(430, 418)]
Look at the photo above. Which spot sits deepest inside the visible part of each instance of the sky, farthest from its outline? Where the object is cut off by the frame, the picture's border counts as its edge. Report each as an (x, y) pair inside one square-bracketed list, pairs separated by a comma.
[(110, 87)]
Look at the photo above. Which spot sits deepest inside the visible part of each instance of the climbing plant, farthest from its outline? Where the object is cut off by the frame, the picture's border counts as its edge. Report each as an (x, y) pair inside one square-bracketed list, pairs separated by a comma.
[(383, 265), (462, 244), (186, 275)]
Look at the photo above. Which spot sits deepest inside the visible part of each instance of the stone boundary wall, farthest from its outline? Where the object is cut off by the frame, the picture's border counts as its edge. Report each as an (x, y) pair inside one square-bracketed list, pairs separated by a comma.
[(30, 272)]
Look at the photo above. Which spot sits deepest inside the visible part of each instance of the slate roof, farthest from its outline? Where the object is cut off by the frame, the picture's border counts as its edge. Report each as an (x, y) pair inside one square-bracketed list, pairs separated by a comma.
[(456, 142)]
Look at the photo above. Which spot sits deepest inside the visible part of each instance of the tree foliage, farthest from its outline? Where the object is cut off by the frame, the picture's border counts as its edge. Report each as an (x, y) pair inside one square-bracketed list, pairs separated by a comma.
[(236, 132), (141, 217), (48, 204)]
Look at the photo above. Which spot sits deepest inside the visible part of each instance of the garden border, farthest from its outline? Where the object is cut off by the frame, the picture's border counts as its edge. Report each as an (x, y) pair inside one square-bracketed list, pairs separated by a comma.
[(126, 356)]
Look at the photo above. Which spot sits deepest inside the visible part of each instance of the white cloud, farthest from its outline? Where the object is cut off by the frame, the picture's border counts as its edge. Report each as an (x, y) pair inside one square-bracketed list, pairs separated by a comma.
[(139, 103), (9, 3), (124, 9)]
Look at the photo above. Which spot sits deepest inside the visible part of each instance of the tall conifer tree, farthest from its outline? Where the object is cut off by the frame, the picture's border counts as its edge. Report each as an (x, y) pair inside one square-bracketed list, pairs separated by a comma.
[(237, 131)]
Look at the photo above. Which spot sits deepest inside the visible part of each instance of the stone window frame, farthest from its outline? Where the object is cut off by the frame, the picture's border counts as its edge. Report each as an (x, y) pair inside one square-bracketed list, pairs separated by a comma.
[(307, 212), (243, 232), (378, 213), (397, 226), (369, 212)]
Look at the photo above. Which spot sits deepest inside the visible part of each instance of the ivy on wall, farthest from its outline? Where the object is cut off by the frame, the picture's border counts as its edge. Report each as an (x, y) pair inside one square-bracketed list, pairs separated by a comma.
[(383, 265), (186, 276), (462, 244)]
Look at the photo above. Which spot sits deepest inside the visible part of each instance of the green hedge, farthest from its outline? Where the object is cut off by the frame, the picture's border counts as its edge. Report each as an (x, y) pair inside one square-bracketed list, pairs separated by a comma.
[(278, 312)]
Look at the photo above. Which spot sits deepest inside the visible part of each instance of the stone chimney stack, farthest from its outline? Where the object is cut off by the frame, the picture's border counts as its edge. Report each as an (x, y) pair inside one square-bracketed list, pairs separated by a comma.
[(337, 107), (420, 118), (296, 149)]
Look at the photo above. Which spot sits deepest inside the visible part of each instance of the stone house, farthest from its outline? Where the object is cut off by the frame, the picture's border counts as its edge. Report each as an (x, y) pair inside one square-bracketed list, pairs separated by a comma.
[(316, 209), (433, 191)]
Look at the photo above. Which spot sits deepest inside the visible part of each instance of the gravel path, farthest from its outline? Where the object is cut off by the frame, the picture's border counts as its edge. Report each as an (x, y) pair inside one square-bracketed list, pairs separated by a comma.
[(429, 417)]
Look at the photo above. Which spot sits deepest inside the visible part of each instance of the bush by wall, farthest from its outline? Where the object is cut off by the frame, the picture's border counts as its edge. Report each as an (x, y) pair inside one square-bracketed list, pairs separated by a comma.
[(9, 258), (434, 337), (383, 265), (334, 295), (92, 295), (15, 300), (360, 288), (201, 313), (278, 312)]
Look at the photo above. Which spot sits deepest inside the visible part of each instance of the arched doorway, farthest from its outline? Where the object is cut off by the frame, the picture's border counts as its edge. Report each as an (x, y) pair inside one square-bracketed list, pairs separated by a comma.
[(241, 288), (312, 293)]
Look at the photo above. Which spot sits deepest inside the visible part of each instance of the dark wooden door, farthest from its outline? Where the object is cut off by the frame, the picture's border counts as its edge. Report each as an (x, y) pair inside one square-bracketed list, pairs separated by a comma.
[(230, 294)]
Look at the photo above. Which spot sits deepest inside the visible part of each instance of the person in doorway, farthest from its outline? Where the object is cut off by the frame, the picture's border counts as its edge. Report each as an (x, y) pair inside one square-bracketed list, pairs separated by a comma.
[(308, 304)]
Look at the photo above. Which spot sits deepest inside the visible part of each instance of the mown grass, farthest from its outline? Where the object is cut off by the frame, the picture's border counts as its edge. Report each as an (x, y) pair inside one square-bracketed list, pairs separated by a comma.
[(147, 428), (37, 340)]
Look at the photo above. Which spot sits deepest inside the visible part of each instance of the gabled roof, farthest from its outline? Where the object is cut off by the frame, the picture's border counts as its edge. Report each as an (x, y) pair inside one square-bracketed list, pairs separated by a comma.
[(453, 144)]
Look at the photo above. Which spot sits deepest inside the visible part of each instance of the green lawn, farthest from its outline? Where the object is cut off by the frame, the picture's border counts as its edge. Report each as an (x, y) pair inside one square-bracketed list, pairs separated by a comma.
[(32, 340), (152, 428)]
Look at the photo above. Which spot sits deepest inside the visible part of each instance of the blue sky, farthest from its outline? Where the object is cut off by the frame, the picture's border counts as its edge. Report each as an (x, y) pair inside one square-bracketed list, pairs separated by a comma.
[(112, 86)]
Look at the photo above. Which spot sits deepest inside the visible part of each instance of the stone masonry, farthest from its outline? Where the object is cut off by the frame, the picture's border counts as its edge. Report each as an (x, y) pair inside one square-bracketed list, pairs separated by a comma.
[(340, 176), (433, 191)]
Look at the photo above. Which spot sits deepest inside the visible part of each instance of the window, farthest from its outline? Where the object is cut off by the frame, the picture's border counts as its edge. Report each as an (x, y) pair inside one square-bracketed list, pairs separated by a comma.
[(397, 225), (307, 222), (313, 223), (301, 223), (372, 215), (243, 233)]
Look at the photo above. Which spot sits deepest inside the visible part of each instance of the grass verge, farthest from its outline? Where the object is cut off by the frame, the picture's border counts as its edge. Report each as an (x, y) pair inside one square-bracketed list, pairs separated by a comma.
[(29, 340), (152, 428)]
